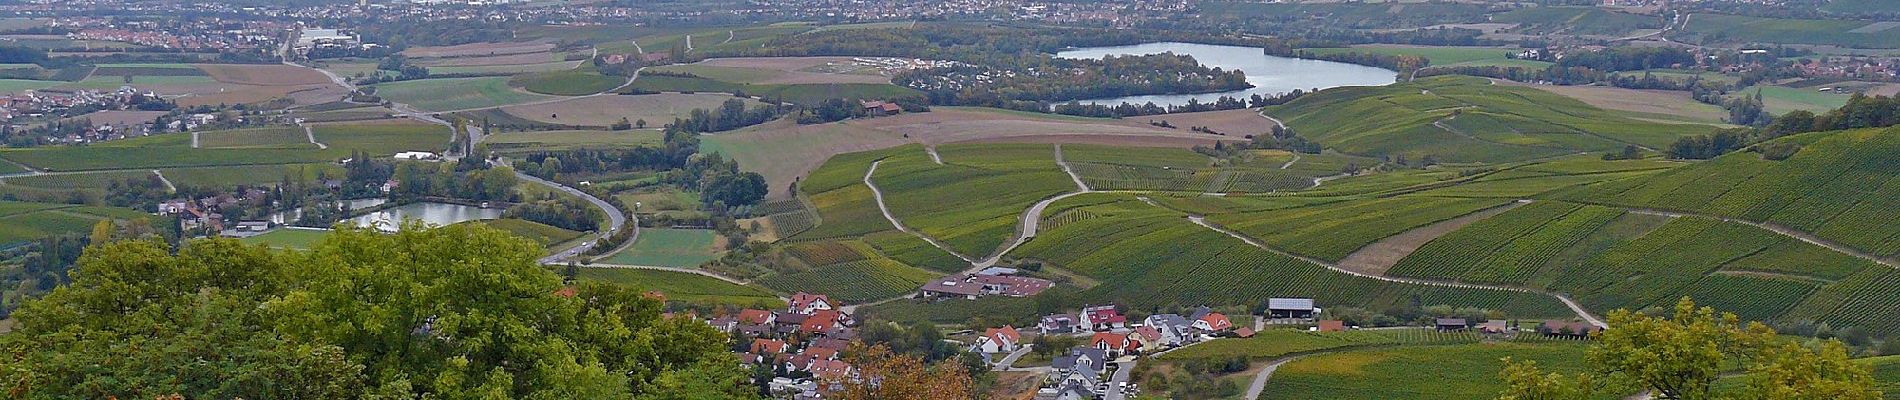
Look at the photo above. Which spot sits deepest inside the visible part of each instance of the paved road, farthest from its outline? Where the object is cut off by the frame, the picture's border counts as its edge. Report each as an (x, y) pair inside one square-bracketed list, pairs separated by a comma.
[(616, 219), (1260, 379), (1121, 375), (1011, 358)]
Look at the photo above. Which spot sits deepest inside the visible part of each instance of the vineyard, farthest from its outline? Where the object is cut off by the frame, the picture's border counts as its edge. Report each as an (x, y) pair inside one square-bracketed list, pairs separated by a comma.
[(1842, 186), (854, 281), (1506, 248), (1147, 256), (1331, 231), (973, 200), (911, 250), (1181, 170), (1467, 371), (686, 287)]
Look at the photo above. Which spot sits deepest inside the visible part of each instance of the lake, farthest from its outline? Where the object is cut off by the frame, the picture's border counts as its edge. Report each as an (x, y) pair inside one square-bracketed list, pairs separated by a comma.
[(1269, 74), (287, 217), (438, 214)]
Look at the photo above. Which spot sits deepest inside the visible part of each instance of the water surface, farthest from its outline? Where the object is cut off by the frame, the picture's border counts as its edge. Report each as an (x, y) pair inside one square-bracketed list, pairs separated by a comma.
[(1269, 74)]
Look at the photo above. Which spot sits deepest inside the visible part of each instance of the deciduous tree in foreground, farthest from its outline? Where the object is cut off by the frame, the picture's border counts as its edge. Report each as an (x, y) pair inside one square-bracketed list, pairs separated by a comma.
[(454, 312), (1682, 356)]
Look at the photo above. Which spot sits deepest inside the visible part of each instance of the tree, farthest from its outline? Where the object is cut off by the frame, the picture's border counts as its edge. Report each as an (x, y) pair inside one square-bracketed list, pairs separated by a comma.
[(1681, 357), (886, 375)]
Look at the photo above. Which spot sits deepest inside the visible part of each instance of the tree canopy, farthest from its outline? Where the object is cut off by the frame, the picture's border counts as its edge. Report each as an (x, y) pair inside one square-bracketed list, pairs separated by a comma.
[(454, 312)]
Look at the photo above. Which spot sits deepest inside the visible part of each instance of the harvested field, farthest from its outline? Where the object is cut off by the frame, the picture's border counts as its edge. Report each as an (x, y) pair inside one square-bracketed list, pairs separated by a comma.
[(656, 109), (264, 75), (479, 49), (785, 152), (1676, 105), (121, 117)]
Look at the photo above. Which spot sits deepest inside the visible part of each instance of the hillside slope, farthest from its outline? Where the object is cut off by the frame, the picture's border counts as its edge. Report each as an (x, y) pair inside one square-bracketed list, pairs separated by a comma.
[(1466, 119)]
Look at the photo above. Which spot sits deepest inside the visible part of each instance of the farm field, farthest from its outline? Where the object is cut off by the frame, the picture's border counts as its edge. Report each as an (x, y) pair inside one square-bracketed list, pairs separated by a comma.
[(1465, 119), (89, 158), (1576, 21), (681, 286), (1666, 105), (1145, 255), (383, 139), (1416, 372), (23, 221), (1115, 168), (288, 238), (511, 142), (1833, 187), (661, 200), (853, 281), (602, 111), (1274, 343), (1741, 29), (1014, 176), (1781, 99), (456, 93), (229, 176), (479, 49), (272, 137), (574, 82), (1331, 231), (683, 248)]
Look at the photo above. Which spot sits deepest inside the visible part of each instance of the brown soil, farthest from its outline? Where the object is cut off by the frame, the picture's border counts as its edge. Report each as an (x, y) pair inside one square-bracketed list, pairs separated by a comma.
[(116, 117), (1376, 258), (1015, 385)]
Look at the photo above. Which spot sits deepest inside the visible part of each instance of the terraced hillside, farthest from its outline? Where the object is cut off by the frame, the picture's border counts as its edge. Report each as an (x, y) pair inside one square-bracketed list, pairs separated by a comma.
[(1841, 186), (1465, 119)]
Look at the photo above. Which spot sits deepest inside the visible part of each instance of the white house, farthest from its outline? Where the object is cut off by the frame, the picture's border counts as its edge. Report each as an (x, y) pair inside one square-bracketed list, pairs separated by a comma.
[(998, 340), (807, 303)]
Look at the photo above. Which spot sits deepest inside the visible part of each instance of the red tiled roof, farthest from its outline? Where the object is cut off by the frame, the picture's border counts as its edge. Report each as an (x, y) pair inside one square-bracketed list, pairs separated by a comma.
[(752, 316)]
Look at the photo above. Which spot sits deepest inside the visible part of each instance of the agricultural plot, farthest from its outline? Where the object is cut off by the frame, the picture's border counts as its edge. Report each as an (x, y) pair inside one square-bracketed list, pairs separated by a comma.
[(383, 139), (1274, 343), (1781, 99), (854, 281), (1719, 28), (781, 70), (1662, 105), (272, 137), (1576, 21), (1011, 177), (229, 176), (602, 111), (518, 142), (575, 82), (1507, 248), (684, 248), (1439, 55), (1464, 119), (455, 93), (1837, 187), (1331, 231), (1415, 372), (1149, 256), (21, 221), (681, 286)]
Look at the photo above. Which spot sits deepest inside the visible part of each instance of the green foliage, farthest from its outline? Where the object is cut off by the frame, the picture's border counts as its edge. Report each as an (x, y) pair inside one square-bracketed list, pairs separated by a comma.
[(454, 312)]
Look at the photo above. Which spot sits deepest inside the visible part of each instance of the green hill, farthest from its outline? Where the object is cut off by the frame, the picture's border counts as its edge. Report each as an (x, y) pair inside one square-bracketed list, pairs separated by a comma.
[(1466, 119)]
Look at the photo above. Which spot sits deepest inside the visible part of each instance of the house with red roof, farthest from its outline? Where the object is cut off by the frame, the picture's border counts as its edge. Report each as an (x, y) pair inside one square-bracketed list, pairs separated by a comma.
[(806, 303), (1102, 318), (756, 317), (998, 340), (1115, 344), (769, 346), (821, 321), (1148, 336), (1213, 322), (830, 370)]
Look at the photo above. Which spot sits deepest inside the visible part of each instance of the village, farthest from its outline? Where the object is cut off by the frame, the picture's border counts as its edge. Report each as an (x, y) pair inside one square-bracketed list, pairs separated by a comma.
[(801, 343)]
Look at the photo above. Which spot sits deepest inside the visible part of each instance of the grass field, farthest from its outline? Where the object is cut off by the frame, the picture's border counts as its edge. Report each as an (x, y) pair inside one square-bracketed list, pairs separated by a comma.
[(546, 235), (575, 82), (1781, 99), (88, 158), (1420, 372), (288, 238), (383, 139), (228, 176), (681, 286), (1463, 119), (685, 248), (455, 93), (21, 85)]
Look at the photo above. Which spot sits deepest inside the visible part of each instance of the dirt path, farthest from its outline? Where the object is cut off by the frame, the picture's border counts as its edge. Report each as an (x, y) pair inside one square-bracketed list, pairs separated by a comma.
[(1574, 307), (1289, 163), (194, 139), (312, 136), (1071, 171), (1784, 231), (932, 150), (1376, 258), (729, 36), (168, 183)]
